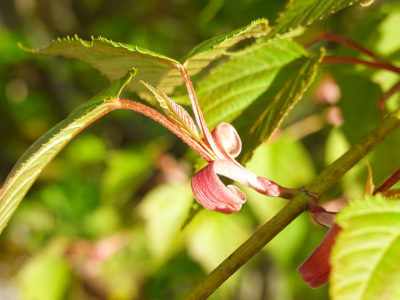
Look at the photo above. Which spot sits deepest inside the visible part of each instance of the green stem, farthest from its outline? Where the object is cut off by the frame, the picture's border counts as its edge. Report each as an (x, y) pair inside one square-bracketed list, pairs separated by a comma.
[(294, 208), (327, 178)]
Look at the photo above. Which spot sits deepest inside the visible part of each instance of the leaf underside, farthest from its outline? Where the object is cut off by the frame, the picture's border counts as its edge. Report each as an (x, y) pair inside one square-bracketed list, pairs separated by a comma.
[(261, 119), (42, 152), (365, 258)]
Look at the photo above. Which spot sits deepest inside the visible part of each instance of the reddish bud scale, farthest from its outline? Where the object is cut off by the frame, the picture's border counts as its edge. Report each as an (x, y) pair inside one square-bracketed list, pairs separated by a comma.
[(316, 269)]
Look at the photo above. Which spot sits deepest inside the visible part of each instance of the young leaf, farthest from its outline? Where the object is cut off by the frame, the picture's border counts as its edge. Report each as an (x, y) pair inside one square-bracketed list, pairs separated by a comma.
[(42, 152), (260, 120), (365, 258), (113, 59), (175, 113), (204, 53), (304, 12), (230, 88)]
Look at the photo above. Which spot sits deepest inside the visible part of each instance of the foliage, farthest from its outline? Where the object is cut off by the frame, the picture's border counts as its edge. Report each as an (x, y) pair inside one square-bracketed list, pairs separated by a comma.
[(105, 218)]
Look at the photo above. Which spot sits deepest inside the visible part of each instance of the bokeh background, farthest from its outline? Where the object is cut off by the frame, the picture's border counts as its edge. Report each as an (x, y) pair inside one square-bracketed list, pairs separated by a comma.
[(103, 221)]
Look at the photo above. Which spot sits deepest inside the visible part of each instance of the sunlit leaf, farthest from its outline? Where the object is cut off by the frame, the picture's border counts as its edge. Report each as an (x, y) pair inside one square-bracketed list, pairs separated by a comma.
[(203, 54), (41, 153), (260, 120), (365, 257), (304, 12), (230, 88), (114, 59), (216, 46)]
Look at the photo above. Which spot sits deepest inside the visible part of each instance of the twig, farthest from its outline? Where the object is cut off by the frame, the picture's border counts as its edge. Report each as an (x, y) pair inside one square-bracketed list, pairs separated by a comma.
[(391, 181), (342, 40), (353, 61), (386, 96), (294, 208)]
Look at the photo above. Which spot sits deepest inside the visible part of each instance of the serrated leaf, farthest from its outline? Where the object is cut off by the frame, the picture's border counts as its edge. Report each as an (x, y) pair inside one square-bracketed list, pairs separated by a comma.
[(205, 52), (113, 59), (231, 87), (304, 12), (176, 113), (365, 257), (260, 120), (393, 193), (41, 153)]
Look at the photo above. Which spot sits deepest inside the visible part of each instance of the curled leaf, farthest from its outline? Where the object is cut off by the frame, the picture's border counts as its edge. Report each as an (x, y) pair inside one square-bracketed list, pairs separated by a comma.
[(227, 140), (211, 193)]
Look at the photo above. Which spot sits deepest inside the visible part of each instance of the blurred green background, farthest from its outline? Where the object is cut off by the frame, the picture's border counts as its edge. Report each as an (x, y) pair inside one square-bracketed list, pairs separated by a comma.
[(103, 221)]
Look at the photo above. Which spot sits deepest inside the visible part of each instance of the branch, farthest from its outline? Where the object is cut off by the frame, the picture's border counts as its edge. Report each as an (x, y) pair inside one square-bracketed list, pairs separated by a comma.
[(342, 40), (348, 60), (386, 96), (163, 120), (294, 208)]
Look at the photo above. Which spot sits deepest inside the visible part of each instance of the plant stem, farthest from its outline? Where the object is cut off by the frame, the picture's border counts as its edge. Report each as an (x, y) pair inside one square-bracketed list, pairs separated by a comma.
[(247, 250), (348, 60), (342, 40), (197, 111), (337, 169), (163, 120), (294, 208), (391, 181), (386, 96)]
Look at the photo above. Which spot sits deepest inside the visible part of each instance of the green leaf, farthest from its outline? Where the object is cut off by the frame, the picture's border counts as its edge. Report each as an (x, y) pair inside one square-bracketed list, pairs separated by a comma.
[(41, 153), (204, 53), (235, 84), (260, 120), (114, 59), (304, 12), (164, 209), (365, 257)]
